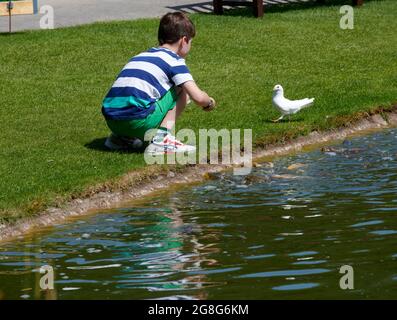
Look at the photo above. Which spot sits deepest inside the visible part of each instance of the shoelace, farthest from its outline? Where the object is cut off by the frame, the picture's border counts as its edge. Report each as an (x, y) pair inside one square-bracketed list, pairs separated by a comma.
[(172, 140)]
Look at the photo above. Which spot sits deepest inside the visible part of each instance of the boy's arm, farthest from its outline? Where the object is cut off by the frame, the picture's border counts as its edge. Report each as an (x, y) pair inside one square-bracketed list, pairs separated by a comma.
[(200, 97)]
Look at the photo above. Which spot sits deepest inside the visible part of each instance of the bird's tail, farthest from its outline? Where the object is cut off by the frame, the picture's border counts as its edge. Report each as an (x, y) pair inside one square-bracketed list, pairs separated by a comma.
[(307, 102)]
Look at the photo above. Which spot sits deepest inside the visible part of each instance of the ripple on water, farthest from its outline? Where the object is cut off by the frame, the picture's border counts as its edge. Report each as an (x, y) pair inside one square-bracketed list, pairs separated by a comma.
[(176, 297), (21, 264), (366, 223), (180, 285), (303, 253), (76, 281), (83, 261), (213, 271), (38, 255), (259, 256), (384, 232), (116, 265), (309, 262), (71, 288), (256, 247), (284, 273), (296, 286)]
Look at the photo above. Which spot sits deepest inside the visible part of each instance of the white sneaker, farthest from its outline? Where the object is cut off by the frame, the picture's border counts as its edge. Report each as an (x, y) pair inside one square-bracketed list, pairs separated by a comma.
[(168, 145), (117, 143)]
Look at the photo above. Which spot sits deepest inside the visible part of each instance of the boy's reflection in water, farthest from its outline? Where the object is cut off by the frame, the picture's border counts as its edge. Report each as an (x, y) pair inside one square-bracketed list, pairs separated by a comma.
[(163, 255), (183, 249)]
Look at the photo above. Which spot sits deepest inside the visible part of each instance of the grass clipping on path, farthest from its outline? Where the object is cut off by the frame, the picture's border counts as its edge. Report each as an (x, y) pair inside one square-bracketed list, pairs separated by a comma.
[(53, 82)]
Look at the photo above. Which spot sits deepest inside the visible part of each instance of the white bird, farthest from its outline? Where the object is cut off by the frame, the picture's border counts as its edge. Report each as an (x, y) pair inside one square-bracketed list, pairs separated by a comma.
[(286, 106)]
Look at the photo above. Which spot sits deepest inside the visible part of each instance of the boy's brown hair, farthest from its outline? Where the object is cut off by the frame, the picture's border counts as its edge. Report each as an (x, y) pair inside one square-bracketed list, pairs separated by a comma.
[(174, 26)]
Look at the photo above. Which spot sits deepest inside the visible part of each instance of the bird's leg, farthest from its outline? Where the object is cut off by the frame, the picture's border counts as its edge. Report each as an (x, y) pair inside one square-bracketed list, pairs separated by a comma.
[(277, 120)]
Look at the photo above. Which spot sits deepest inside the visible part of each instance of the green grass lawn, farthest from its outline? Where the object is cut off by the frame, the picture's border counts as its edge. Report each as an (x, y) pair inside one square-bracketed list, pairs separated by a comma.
[(52, 84)]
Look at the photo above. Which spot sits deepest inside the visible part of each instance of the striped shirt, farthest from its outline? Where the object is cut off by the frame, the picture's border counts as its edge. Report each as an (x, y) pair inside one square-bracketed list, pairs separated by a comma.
[(145, 79)]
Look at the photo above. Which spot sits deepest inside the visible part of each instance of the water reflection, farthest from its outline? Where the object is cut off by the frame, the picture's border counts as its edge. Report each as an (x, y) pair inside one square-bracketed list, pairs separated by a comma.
[(282, 232), (153, 250)]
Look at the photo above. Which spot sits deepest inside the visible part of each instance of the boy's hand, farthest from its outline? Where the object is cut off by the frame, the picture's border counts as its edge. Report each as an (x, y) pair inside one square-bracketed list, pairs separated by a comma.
[(211, 105)]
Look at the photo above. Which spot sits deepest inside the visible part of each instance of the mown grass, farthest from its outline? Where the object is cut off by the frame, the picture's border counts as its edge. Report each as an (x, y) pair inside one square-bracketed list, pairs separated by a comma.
[(52, 84)]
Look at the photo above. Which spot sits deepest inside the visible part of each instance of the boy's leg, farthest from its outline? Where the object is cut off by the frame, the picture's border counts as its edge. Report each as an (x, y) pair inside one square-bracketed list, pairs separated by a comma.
[(173, 114), (167, 110), (163, 141)]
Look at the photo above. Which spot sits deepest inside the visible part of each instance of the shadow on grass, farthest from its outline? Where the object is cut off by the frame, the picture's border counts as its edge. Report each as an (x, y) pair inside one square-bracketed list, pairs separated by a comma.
[(99, 145), (282, 6), (273, 6), (8, 34), (199, 7)]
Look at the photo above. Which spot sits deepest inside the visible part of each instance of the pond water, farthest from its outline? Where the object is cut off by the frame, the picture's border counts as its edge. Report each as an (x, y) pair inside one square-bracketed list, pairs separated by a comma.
[(283, 232)]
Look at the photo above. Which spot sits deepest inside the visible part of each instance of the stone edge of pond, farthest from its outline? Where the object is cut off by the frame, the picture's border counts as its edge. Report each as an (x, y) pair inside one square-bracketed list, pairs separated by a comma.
[(136, 187)]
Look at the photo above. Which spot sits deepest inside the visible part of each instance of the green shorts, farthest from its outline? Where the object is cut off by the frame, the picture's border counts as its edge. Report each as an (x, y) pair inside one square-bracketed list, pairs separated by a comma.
[(137, 128)]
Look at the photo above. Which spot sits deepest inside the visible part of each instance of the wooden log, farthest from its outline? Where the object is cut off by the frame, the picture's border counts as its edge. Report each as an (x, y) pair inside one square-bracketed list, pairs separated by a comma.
[(358, 2), (258, 8), (238, 3), (218, 7), (257, 5)]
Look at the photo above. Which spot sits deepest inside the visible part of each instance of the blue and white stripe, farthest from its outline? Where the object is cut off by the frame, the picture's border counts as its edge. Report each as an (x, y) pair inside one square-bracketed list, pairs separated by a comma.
[(153, 73)]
